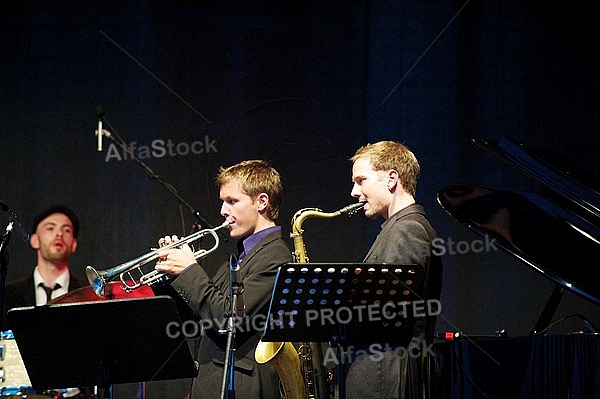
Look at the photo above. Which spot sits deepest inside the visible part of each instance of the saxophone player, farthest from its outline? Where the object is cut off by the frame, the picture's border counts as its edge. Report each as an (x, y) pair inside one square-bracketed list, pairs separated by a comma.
[(250, 192), (384, 176)]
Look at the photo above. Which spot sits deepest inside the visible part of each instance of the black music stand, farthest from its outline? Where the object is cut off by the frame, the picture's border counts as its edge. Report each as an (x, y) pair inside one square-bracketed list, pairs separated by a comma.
[(344, 304), (102, 343)]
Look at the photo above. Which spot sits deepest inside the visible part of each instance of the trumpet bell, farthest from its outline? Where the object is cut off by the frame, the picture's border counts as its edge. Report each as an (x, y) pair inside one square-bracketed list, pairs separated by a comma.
[(97, 282)]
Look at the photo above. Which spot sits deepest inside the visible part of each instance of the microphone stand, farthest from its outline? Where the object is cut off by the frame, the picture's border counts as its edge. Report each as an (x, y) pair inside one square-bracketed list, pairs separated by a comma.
[(201, 220), (236, 309), (4, 258)]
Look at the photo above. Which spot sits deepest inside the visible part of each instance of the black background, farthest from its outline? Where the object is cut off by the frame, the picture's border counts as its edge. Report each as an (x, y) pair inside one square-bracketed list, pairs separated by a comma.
[(303, 85)]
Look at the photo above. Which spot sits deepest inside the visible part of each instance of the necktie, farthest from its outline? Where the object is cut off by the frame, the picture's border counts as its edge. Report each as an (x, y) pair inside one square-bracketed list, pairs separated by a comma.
[(49, 291)]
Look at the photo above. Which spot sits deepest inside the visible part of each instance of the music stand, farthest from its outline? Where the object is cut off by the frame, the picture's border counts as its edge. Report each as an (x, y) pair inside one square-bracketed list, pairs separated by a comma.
[(344, 303), (102, 343)]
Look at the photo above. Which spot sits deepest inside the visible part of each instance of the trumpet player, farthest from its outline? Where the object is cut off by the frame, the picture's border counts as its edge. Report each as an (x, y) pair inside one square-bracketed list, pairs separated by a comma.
[(250, 192), (384, 176)]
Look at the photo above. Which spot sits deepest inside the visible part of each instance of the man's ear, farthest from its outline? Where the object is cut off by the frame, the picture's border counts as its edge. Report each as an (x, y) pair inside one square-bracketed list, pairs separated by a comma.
[(34, 241), (393, 180), (74, 245), (262, 201)]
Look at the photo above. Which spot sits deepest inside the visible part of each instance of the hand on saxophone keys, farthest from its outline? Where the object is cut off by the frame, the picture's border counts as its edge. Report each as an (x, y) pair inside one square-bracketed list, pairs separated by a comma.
[(176, 259)]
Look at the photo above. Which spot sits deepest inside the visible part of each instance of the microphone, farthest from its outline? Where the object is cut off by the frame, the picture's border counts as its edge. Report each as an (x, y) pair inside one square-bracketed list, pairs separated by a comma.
[(13, 218), (237, 286), (99, 133)]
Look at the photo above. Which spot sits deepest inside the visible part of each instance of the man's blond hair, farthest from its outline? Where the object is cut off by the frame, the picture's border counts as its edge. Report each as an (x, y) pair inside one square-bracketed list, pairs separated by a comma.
[(255, 177), (387, 155)]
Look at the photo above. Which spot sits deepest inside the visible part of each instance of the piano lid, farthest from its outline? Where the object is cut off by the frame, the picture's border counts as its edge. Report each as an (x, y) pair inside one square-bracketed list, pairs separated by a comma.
[(560, 179), (555, 232), (534, 230)]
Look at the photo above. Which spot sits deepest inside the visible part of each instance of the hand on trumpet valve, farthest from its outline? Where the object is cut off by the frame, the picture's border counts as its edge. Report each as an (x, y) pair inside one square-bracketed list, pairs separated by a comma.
[(174, 259)]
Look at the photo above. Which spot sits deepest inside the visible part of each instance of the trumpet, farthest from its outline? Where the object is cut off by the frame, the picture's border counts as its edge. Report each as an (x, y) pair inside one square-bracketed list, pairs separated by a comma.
[(98, 279)]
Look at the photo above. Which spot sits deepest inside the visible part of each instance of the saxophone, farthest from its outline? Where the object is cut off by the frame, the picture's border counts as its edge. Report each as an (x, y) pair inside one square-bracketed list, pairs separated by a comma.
[(301, 371), (300, 255)]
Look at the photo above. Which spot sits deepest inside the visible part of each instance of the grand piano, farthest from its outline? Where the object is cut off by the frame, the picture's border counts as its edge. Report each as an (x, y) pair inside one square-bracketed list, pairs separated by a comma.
[(555, 232)]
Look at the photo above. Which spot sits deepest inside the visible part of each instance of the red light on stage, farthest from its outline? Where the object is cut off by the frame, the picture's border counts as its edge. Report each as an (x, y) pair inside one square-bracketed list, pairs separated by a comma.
[(114, 290)]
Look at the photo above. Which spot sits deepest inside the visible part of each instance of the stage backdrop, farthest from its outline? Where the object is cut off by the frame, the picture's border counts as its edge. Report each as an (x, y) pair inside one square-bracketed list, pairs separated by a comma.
[(191, 87)]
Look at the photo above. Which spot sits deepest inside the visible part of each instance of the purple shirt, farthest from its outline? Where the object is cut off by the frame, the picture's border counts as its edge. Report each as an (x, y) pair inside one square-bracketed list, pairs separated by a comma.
[(251, 241)]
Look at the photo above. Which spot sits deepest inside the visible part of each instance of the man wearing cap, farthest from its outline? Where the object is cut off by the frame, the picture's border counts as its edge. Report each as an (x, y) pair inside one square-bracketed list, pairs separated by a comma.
[(54, 237)]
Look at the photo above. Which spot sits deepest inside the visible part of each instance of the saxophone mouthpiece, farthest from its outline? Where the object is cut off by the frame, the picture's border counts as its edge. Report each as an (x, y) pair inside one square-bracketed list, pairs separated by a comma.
[(352, 209)]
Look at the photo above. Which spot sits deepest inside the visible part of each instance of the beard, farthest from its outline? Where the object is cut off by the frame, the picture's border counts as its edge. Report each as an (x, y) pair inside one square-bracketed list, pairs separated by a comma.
[(55, 255), (372, 210)]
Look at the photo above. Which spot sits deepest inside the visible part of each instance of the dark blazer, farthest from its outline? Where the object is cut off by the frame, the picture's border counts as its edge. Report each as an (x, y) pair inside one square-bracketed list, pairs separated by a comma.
[(406, 238), (21, 292), (208, 300)]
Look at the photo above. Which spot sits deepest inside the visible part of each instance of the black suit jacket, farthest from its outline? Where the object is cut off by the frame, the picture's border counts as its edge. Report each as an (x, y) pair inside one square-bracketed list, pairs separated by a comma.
[(208, 300), (21, 292)]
